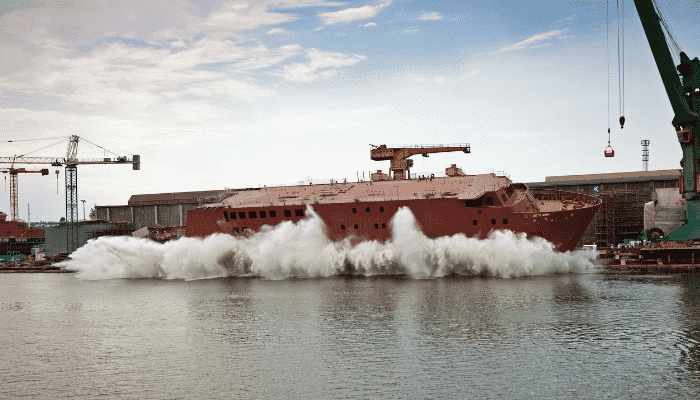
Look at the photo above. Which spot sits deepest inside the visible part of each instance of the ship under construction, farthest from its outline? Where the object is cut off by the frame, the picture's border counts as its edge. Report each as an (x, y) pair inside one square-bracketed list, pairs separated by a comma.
[(473, 205)]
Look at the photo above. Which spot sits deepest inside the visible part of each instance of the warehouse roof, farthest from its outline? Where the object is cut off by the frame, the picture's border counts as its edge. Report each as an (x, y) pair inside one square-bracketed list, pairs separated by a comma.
[(205, 196), (615, 177)]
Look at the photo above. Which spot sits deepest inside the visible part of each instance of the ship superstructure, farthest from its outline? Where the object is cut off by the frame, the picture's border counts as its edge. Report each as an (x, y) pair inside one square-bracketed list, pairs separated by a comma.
[(17, 239), (473, 205)]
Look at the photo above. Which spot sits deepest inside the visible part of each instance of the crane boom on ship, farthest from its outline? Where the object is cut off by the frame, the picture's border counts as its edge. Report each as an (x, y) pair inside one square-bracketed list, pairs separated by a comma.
[(399, 156), (684, 95)]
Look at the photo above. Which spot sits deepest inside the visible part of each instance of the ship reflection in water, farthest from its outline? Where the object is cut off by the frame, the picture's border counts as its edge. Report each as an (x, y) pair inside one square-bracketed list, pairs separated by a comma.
[(302, 249)]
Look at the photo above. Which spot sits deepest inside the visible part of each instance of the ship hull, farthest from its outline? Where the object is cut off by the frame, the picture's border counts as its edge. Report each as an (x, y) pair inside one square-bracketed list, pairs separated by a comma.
[(370, 220)]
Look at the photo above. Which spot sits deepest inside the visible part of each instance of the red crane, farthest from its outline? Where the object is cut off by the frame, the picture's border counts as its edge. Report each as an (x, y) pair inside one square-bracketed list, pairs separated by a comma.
[(14, 185)]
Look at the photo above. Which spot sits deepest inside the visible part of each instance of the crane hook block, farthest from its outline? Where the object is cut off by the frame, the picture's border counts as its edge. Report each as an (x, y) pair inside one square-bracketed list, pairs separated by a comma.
[(622, 122)]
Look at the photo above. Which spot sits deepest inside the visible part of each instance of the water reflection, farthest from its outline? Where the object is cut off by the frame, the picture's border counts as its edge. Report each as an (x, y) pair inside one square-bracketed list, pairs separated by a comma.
[(689, 342)]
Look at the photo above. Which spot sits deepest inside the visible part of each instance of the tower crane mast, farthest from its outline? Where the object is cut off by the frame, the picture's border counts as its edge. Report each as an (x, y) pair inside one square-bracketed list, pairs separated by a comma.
[(71, 162), (14, 186)]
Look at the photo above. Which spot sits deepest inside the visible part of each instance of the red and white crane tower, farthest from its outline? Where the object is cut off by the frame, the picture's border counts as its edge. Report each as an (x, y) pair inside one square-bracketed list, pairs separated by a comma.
[(14, 186)]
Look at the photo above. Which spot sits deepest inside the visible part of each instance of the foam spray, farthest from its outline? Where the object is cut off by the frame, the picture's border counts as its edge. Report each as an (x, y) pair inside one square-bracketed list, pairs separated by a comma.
[(303, 249)]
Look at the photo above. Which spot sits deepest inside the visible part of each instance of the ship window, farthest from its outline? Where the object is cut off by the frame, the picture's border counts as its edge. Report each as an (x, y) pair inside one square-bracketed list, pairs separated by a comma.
[(299, 212), (226, 216), (376, 226), (488, 200), (474, 222), (354, 210), (273, 214), (246, 229), (263, 214), (20, 226), (241, 214), (252, 214), (233, 215), (505, 221), (381, 209), (342, 227), (510, 190), (383, 225), (473, 203), (493, 222), (235, 230), (355, 226), (367, 209), (287, 213), (503, 196)]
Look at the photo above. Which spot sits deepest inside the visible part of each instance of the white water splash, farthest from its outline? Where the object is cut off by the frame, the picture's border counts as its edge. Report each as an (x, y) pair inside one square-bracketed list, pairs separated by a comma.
[(303, 250)]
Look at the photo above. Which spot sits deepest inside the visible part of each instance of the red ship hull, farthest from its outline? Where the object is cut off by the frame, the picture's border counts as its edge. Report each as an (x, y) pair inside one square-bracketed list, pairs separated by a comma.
[(561, 218), (17, 239)]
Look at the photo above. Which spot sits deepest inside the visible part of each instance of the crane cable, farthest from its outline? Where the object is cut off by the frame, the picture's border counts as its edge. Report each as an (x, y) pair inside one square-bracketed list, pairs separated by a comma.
[(621, 60), (670, 36), (607, 48)]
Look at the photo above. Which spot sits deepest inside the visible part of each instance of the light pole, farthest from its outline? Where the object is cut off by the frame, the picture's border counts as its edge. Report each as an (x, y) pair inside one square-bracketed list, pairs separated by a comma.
[(83, 209)]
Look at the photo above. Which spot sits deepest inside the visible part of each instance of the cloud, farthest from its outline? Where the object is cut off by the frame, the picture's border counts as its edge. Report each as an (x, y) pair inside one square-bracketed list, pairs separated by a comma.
[(276, 30), (468, 75), (369, 24), (532, 42), (119, 76), (321, 65), (352, 14), (411, 30), (430, 16)]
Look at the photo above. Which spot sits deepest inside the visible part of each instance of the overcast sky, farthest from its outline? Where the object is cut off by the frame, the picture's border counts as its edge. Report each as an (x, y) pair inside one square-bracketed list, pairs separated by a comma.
[(216, 94)]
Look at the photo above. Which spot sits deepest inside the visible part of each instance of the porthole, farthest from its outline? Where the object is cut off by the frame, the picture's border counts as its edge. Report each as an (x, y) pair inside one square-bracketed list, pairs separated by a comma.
[(355, 226), (493, 222), (376, 226)]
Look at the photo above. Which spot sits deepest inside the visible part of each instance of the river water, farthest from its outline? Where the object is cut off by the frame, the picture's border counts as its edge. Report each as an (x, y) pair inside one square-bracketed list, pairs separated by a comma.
[(574, 335), (287, 314)]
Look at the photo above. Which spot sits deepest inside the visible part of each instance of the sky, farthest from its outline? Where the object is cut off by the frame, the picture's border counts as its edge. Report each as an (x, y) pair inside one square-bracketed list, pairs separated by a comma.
[(216, 94)]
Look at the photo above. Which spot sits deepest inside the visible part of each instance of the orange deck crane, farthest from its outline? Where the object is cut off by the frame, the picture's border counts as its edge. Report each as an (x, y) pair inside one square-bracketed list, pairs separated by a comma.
[(71, 163), (14, 186), (399, 156)]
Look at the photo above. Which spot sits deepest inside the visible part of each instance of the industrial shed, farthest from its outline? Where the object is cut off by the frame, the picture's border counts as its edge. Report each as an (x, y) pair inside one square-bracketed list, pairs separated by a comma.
[(622, 214), (159, 210)]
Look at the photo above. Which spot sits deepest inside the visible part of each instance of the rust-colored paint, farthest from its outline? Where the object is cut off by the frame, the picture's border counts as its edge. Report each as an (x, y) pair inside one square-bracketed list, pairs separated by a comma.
[(441, 206)]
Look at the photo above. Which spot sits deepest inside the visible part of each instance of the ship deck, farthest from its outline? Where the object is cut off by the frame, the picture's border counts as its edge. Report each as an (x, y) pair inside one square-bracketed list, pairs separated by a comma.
[(463, 187)]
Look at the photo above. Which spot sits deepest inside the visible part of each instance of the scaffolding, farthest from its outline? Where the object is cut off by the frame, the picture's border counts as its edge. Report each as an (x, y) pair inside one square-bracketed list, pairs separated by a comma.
[(621, 216)]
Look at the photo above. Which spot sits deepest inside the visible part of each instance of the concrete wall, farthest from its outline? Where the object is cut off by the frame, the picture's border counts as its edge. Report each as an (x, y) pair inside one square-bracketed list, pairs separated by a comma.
[(56, 235)]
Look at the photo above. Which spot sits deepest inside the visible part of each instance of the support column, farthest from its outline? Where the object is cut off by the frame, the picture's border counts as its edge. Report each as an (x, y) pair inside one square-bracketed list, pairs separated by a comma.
[(181, 221), (71, 207)]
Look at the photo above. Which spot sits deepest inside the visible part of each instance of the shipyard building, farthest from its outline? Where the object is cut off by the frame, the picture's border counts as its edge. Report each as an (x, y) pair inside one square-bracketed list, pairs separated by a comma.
[(621, 217)]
